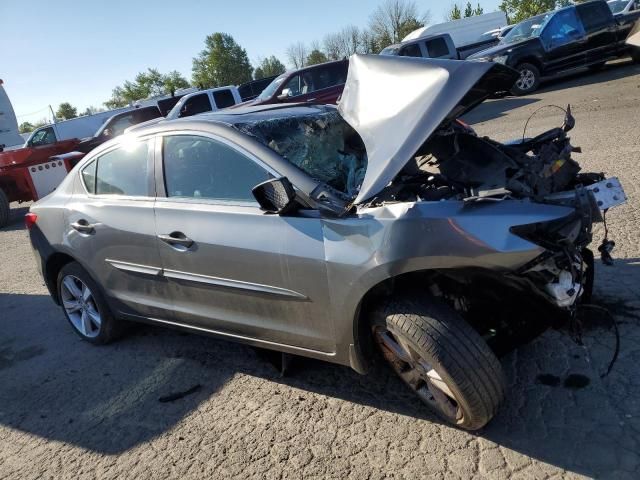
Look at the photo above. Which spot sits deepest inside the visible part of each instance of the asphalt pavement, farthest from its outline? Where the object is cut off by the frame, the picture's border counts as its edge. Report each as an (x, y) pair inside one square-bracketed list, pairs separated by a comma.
[(71, 410)]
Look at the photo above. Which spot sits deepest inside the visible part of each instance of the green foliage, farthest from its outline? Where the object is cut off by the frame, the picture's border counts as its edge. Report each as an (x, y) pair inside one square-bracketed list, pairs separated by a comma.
[(456, 13), (26, 127), (66, 111), (316, 57), (269, 67), (468, 11), (222, 62), (151, 83), (518, 10)]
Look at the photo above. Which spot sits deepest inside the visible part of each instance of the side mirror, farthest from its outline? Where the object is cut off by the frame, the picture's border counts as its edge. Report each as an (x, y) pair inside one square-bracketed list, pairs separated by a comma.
[(286, 93), (275, 195)]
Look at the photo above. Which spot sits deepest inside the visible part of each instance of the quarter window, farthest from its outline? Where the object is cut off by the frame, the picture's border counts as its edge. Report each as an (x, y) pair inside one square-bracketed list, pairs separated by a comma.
[(123, 171), (199, 167), (89, 177), (437, 48)]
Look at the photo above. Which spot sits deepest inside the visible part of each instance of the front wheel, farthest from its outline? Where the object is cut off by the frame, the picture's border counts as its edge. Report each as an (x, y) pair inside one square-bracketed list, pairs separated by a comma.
[(441, 358), (529, 80)]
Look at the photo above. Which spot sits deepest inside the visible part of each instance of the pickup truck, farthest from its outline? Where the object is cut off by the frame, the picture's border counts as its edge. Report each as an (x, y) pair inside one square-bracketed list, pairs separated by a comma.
[(584, 35), (438, 46)]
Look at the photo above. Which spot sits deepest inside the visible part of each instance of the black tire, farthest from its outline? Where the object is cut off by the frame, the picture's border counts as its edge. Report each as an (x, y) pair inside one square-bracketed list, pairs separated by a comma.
[(109, 328), (4, 209), (635, 54), (529, 80), (448, 345)]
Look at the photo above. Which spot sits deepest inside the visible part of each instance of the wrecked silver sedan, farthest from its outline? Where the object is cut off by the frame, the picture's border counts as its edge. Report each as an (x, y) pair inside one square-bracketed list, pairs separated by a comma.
[(383, 226)]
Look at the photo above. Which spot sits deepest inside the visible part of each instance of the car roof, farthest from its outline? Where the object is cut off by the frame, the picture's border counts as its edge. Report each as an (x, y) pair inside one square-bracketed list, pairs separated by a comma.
[(240, 115)]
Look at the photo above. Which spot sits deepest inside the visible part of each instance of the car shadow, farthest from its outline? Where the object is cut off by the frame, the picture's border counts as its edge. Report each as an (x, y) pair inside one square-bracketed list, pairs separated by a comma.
[(110, 399), (496, 108)]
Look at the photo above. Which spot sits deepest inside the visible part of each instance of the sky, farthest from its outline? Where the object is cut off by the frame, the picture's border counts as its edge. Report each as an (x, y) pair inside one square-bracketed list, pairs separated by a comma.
[(54, 51)]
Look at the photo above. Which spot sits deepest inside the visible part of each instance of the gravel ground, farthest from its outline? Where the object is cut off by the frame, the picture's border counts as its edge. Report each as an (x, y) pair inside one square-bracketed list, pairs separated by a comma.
[(70, 410)]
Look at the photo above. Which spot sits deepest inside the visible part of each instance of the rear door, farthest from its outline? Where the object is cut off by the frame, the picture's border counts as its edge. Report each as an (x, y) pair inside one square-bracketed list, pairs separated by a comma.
[(111, 227), (564, 41), (600, 30), (231, 268)]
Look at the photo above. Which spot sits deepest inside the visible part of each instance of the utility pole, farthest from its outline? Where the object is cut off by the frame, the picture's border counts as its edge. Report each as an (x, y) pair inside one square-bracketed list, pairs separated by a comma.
[(53, 115)]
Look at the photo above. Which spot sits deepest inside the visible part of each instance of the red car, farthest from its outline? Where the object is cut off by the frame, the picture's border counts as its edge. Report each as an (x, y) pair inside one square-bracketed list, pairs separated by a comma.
[(321, 83)]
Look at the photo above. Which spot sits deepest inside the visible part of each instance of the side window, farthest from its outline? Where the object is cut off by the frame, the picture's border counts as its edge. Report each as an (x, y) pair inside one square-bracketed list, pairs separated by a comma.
[(123, 171), (437, 48), (146, 114), (563, 28), (293, 87), (198, 167), (223, 98), (89, 176), (329, 76), (46, 136), (594, 15), (195, 105), (119, 125), (412, 50)]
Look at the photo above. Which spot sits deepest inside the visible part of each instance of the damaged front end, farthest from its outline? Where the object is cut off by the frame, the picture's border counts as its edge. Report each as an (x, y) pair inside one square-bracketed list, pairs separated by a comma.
[(431, 157)]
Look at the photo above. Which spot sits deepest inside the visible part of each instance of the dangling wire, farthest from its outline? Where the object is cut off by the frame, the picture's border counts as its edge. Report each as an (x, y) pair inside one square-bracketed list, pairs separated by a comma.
[(524, 132), (616, 331)]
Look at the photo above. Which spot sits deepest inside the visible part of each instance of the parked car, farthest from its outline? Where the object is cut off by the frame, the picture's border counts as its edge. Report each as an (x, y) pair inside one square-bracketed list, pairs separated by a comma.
[(205, 101), (463, 31), (250, 90), (330, 232), (321, 83), (584, 35), (438, 46), (622, 7), (116, 125)]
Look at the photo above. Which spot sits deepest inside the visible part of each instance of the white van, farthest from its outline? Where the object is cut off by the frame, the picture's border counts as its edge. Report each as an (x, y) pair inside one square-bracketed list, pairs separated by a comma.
[(205, 101), (9, 135)]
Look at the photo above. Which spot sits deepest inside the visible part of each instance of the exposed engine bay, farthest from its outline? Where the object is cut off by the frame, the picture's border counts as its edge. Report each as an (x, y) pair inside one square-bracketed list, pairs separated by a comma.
[(457, 164)]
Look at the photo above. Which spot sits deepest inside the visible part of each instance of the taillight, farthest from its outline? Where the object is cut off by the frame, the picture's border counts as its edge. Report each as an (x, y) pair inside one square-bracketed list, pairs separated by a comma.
[(30, 220)]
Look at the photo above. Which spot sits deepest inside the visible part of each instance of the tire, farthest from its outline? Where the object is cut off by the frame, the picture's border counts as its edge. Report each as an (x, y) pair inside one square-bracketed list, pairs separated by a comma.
[(4, 209), (442, 359), (635, 54), (81, 314), (529, 80)]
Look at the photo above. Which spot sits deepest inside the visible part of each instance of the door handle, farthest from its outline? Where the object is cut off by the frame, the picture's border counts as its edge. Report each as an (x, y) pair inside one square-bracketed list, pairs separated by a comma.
[(83, 226), (176, 238)]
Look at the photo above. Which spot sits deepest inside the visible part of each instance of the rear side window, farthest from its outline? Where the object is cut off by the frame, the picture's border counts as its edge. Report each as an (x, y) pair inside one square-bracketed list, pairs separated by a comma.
[(594, 15), (223, 98), (123, 171), (412, 50), (199, 167), (437, 48), (195, 105)]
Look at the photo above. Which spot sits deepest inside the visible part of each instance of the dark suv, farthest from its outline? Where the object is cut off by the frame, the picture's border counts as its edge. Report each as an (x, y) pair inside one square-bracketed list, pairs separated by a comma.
[(321, 83)]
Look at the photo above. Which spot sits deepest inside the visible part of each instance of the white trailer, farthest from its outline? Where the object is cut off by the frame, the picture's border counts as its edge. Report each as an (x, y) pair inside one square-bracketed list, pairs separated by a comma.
[(9, 135), (464, 31)]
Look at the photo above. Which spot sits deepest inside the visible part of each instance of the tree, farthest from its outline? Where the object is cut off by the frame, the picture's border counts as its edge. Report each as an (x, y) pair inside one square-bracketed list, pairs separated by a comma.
[(151, 83), (479, 10), (269, 67), (454, 14), (395, 19), (66, 111), (222, 62), (316, 57), (468, 11), (26, 127), (92, 110), (297, 54), (518, 10)]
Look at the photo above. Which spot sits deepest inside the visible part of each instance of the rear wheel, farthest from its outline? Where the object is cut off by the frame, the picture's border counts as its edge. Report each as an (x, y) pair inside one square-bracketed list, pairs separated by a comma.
[(4, 209), (635, 54), (529, 80), (84, 306), (442, 359)]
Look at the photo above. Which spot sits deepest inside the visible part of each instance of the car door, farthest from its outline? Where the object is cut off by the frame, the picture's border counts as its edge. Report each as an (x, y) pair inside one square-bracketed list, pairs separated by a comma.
[(231, 268), (564, 42), (111, 229), (599, 26)]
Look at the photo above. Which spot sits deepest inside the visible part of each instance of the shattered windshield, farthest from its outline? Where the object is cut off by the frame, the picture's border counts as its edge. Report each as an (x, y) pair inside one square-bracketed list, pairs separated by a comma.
[(321, 143)]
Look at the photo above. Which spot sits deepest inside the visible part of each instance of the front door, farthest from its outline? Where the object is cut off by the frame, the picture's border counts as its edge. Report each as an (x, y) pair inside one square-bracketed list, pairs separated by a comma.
[(111, 225), (564, 41), (232, 268)]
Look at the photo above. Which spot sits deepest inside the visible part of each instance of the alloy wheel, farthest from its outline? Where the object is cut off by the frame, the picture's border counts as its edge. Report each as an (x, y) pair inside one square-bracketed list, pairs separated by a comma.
[(527, 80), (418, 374), (80, 306)]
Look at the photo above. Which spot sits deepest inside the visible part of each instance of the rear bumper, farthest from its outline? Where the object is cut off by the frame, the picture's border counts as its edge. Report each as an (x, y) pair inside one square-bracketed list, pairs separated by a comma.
[(42, 251)]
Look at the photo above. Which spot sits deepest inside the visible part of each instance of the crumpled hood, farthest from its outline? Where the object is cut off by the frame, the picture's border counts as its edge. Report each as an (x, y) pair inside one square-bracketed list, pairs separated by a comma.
[(396, 103)]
